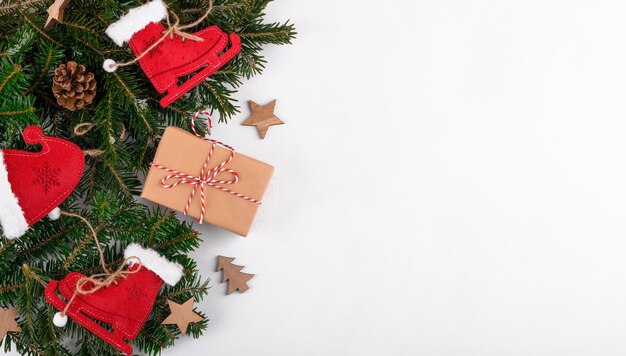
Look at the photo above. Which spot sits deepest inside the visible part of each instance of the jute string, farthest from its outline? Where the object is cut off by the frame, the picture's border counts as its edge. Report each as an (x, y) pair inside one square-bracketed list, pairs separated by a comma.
[(175, 29), (101, 280), (83, 128)]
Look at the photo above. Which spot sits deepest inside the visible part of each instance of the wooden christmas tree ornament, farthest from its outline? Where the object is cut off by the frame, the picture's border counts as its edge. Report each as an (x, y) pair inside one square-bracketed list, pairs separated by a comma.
[(236, 279), (182, 315), (8, 323), (263, 117)]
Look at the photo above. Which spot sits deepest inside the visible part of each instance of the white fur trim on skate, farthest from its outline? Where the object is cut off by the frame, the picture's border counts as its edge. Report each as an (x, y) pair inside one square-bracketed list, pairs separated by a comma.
[(135, 20), (12, 217), (169, 272)]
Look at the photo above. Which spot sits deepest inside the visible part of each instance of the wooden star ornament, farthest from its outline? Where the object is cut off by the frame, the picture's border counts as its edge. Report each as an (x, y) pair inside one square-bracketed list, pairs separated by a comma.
[(263, 117), (7, 322), (55, 13), (182, 315)]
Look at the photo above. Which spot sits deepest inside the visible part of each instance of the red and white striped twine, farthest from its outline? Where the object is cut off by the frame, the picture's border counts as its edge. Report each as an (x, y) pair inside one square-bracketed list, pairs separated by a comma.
[(209, 126), (207, 177)]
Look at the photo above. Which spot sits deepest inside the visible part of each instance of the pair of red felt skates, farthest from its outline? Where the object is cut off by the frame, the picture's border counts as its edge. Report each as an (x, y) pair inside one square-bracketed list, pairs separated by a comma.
[(126, 304)]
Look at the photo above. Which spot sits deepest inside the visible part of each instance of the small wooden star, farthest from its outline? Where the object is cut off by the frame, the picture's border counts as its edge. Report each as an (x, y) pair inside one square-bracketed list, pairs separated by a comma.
[(263, 117), (8, 323), (55, 13), (182, 315)]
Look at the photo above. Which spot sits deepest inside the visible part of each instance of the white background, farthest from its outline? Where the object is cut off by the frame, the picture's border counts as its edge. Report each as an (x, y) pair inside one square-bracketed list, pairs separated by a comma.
[(451, 180)]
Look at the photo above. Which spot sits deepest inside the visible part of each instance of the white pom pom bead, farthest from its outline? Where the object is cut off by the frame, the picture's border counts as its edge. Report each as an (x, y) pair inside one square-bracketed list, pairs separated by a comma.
[(55, 214), (109, 65), (59, 320)]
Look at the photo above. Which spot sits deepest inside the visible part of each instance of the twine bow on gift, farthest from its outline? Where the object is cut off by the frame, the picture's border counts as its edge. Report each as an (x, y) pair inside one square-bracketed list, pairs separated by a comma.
[(207, 177)]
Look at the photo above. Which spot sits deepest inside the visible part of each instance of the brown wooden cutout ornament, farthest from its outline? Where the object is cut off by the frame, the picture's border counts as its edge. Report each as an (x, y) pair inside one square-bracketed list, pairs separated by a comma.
[(55, 13), (237, 280), (263, 117), (182, 315), (8, 323)]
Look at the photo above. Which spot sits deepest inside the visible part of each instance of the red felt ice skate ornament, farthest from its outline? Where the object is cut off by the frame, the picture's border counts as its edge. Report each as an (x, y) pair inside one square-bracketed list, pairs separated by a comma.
[(122, 299), (33, 184), (167, 54)]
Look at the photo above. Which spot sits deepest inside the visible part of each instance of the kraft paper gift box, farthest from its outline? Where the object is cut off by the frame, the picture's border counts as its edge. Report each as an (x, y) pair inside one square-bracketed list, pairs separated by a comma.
[(184, 152)]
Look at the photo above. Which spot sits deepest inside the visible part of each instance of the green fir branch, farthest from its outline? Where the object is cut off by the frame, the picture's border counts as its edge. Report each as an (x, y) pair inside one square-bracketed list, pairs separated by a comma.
[(127, 125)]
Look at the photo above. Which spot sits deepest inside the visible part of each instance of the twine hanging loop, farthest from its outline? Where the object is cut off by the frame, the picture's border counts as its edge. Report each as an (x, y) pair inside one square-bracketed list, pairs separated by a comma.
[(91, 284)]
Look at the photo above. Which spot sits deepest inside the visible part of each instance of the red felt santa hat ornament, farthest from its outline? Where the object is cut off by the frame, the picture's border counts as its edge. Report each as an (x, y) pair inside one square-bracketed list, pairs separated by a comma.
[(34, 184)]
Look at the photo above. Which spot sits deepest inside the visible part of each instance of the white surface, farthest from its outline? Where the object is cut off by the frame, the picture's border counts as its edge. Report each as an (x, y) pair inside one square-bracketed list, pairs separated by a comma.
[(451, 180)]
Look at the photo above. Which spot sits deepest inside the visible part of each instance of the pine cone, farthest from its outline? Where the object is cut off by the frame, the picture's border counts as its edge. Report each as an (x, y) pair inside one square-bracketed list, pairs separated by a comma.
[(73, 86)]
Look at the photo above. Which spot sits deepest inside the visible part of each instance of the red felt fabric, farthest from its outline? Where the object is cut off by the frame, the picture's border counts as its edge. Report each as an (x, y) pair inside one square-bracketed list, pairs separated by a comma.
[(125, 306), (43, 180), (174, 58)]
